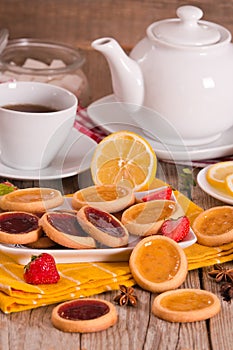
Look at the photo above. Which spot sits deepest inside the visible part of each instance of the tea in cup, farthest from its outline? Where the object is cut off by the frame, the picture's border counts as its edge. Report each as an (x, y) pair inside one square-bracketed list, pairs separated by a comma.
[(35, 121)]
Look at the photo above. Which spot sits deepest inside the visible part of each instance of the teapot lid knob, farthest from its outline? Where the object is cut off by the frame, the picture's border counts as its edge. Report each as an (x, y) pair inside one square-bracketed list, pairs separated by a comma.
[(187, 30)]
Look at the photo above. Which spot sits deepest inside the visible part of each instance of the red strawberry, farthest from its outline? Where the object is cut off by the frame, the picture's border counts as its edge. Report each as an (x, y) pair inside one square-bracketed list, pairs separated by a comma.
[(41, 270), (176, 229), (164, 193)]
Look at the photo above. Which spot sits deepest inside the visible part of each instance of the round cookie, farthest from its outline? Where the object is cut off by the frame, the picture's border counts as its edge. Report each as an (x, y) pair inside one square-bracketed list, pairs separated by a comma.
[(32, 200), (186, 305), (64, 229), (84, 315), (158, 264), (214, 226), (19, 227), (108, 198), (144, 219), (103, 227)]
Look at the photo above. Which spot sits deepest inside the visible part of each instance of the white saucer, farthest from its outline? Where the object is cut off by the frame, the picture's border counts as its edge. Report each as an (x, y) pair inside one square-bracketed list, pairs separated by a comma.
[(22, 254), (106, 111), (73, 158), (206, 187)]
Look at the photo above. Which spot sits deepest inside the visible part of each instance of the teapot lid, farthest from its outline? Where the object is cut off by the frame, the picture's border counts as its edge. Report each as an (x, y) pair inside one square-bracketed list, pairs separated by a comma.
[(187, 30)]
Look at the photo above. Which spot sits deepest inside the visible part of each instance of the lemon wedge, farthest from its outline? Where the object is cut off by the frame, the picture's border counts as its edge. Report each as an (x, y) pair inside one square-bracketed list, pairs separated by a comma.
[(124, 158)]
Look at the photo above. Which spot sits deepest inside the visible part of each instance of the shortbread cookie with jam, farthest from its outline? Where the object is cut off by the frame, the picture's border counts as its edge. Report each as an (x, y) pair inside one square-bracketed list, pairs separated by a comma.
[(158, 264), (64, 229), (146, 218), (103, 227), (186, 305), (19, 227), (109, 198), (214, 226), (84, 315), (32, 200)]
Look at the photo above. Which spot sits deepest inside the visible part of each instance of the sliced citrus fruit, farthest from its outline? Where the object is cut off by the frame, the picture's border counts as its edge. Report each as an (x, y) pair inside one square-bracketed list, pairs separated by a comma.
[(229, 184), (217, 173), (125, 158)]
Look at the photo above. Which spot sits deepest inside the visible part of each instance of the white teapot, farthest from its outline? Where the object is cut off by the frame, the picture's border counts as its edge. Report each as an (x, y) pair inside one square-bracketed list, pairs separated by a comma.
[(183, 70)]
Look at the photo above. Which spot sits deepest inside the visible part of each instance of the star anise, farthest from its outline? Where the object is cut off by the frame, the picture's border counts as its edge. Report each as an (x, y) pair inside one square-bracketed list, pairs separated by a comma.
[(126, 296), (227, 291), (221, 273)]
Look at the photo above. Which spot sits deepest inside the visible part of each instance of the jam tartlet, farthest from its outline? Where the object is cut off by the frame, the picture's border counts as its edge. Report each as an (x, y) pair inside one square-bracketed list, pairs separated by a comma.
[(144, 219), (32, 200), (158, 264), (64, 229), (19, 228), (186, 305), (84, 315), (214, 226), (103, 227), (108, 198)]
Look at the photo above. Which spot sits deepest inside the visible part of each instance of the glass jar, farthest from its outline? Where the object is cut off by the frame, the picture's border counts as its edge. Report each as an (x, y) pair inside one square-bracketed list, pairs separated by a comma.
[(36, 60)]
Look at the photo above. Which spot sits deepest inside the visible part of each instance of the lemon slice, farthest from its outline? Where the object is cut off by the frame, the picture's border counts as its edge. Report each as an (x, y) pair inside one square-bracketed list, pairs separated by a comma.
[(124, 158), (186, 305), (217, 174), (158, 264), (229, 184)]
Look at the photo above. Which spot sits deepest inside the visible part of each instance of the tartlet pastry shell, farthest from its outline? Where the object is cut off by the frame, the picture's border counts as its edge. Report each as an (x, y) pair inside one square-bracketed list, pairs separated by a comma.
[(85, 326), (212, 240), (102, 237), (144, 228), (20, 238), (51, 200), (156, 287), (102, 197), (185, 316), (64, 239)]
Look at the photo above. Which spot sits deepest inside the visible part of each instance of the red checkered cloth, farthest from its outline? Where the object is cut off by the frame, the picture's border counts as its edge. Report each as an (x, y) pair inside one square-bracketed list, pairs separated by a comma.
[(84, 124)]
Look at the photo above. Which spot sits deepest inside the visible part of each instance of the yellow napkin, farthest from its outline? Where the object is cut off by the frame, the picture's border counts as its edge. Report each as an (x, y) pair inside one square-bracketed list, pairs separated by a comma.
[(77, 280), (87, 279)]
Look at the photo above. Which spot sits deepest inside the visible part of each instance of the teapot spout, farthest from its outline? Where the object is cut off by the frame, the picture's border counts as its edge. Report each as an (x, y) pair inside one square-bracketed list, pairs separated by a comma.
[(127, 79)]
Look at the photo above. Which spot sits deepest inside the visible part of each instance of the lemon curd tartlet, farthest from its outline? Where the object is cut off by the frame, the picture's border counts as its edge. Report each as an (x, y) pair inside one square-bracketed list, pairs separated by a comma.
[(186, 305), (158, 264), (144, 219), (214, 226), (32, 200), (109, 198)]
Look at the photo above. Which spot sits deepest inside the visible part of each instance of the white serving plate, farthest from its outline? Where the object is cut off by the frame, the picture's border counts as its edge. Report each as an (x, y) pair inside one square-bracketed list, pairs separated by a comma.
[(73, 158), (111, 116), (207, 188), (22, 255)]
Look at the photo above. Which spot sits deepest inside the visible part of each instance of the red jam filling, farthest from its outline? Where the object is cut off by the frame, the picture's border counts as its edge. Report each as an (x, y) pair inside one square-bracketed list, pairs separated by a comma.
[(18, 223), (83, 310), (104, 222), (66, 223)]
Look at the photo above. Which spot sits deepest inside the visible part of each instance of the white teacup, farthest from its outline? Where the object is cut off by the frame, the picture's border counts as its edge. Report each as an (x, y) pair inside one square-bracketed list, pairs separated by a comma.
[(31, 139)]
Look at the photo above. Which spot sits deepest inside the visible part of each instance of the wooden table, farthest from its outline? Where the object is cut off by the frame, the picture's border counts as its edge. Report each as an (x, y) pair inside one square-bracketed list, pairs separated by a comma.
[(137, 328), (78, 22)]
